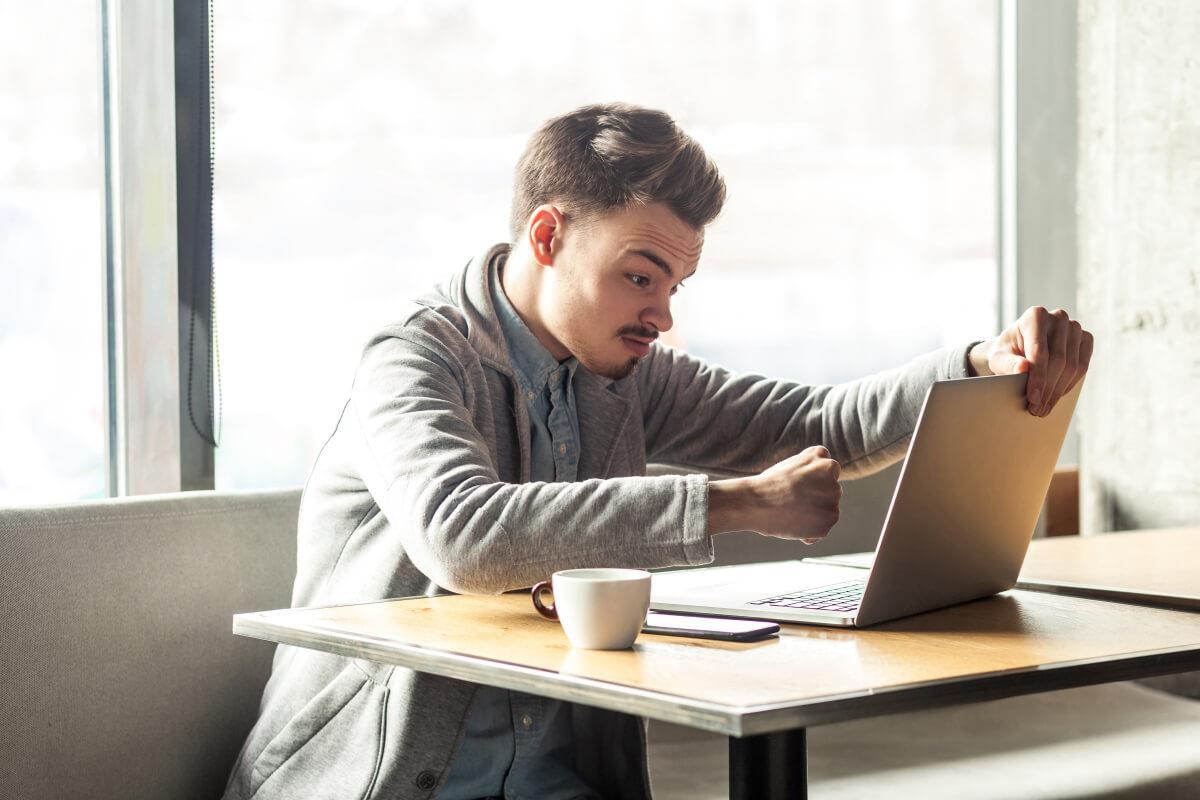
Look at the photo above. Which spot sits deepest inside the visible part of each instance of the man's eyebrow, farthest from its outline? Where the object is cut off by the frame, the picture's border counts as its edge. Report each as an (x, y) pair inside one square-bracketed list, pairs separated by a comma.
[(658, 262)]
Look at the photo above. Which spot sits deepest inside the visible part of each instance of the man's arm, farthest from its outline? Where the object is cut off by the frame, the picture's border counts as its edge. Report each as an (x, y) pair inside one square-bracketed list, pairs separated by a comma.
[(430, 470), (701, 416), (799, 497)]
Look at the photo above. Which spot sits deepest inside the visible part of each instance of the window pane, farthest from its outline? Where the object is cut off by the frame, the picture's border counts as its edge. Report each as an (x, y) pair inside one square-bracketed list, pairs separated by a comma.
[(365, 150), (51, 343)]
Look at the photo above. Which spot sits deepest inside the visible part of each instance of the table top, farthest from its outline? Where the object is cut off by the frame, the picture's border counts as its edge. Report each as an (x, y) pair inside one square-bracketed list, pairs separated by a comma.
[(1014, 643), (1161, 567)]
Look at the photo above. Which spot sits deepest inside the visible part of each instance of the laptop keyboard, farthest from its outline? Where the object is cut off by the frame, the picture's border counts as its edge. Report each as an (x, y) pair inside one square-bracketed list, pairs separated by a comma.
[(837, 597)]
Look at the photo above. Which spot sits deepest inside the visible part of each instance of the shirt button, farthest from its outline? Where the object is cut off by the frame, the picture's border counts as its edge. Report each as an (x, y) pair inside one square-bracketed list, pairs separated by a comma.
[(562, 448), (527, 721), (529, 395), (426, 780)]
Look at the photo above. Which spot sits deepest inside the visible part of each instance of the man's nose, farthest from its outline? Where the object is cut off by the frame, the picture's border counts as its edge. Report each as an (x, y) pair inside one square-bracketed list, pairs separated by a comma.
[(659, 315)]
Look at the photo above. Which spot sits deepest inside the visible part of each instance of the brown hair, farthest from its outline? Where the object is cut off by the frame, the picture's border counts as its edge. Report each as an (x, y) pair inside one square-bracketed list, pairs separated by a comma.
[(603, 157)]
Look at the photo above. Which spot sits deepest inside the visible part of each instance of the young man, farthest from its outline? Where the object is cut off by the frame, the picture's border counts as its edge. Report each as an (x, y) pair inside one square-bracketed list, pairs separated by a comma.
[(500, 431)]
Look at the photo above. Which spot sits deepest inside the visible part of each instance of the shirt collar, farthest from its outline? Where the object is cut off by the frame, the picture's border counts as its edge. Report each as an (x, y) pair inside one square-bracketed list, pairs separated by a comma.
[(530, 358)]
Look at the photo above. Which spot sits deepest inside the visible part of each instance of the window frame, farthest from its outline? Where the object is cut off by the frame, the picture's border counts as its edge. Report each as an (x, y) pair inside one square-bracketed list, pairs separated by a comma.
[(157, 257)]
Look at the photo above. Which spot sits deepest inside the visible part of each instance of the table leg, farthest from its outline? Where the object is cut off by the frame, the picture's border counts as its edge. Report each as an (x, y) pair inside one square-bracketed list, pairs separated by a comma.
[(773, 766)]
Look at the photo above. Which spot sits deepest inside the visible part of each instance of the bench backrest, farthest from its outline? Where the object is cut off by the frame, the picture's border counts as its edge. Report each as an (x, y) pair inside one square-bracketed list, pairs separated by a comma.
[(120, 675)]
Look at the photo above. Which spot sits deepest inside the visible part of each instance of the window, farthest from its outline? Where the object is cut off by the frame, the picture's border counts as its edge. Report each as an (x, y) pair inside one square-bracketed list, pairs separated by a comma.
[(51, 335), (365, 150)]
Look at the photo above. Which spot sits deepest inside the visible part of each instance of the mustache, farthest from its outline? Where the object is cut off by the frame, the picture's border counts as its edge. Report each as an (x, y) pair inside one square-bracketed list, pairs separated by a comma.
[(638, 331)]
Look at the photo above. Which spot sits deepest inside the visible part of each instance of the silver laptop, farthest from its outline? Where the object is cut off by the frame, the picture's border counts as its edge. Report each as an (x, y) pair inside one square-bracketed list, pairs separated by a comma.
[(962, 516)]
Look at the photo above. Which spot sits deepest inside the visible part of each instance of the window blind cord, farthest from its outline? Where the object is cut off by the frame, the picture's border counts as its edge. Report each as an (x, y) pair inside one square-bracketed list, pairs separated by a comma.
[(214, 353), (213, 365)]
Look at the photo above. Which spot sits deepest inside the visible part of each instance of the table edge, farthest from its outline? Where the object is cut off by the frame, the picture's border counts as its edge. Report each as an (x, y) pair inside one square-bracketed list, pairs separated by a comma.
[(1114, 594)]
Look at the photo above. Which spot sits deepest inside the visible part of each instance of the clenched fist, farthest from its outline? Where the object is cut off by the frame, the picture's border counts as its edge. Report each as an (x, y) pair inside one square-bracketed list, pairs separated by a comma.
[(797, 498)]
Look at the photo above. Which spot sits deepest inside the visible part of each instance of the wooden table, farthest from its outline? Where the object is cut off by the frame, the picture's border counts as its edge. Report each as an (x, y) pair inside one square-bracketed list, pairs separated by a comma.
[(1156, 567), (762, 695)]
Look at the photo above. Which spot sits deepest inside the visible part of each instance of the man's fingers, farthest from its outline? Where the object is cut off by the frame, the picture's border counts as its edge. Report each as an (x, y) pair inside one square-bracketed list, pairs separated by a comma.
[(1073, 370), (1033, 326), (1059, 337), (1083, 357), (1086, 345), (1059, 351)]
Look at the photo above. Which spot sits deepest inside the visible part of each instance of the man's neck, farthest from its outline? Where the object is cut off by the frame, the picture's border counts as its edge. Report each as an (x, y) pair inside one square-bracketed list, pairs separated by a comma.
[(521, 282)]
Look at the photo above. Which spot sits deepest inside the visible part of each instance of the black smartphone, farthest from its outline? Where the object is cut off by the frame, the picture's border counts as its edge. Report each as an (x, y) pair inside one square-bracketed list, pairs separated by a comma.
[(730, 630)]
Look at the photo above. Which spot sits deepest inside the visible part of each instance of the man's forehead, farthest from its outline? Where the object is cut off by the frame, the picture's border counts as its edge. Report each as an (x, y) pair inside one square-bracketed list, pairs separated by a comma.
[(679, 243)]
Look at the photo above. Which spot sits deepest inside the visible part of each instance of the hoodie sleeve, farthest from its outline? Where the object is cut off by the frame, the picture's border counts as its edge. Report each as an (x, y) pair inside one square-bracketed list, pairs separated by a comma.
[(429, 469), (701, 416)]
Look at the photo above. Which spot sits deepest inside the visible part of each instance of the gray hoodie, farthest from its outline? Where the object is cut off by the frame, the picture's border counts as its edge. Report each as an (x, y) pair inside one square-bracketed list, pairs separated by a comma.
[(423, 488)]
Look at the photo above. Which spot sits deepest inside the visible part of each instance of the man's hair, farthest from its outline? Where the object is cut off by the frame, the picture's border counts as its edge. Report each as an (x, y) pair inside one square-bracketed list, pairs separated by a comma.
[(601, 158)]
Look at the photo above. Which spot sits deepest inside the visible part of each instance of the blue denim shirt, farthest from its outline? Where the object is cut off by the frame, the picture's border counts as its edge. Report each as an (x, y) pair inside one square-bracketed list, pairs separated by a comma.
[(516, 745)]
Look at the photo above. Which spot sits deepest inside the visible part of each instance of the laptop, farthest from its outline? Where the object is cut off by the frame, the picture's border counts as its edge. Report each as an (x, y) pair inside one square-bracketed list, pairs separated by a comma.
[(961, 519)]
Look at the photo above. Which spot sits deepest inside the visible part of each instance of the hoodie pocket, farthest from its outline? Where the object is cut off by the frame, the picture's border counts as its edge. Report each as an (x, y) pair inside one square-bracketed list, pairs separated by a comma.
[(330, 748)]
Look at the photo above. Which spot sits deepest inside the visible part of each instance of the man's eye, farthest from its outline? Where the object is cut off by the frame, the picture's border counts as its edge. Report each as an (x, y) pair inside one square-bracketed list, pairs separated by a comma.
[(640, 280), (677, 287)]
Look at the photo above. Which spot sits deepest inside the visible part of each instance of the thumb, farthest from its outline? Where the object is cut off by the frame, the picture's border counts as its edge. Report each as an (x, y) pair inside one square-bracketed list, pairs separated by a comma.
[(1010, 364)]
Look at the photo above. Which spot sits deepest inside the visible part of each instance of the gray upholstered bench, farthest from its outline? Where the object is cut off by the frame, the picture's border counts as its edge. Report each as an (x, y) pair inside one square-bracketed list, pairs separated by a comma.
[(121, 677)]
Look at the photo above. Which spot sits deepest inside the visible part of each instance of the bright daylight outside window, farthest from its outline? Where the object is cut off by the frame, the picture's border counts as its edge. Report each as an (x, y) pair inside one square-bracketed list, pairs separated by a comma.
[(365, 150), (51, 334)]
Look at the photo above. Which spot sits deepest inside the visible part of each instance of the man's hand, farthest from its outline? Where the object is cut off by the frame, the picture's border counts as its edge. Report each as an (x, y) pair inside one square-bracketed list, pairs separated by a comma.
[(1053, 348), (795, 499)]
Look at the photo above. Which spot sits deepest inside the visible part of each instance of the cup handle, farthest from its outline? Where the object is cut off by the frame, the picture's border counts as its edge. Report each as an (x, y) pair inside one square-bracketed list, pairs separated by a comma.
[(549, 612)]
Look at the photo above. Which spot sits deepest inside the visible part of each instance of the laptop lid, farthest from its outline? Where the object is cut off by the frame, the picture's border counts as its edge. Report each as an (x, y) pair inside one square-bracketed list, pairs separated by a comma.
[(968, 498)]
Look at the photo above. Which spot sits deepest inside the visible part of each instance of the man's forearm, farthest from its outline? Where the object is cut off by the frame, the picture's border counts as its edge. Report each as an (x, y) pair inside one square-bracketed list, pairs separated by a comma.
[(730, 502)]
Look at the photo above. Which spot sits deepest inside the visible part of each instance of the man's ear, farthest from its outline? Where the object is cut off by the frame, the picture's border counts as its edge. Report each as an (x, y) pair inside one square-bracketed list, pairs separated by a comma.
[(545, 232)]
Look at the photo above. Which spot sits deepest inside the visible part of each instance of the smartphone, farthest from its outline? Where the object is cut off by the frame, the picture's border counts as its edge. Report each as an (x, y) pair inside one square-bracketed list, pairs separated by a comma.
[(730, 630)]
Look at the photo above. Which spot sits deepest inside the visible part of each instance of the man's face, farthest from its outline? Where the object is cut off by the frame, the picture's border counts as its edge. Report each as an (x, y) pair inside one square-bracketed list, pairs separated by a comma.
[(608, 295)]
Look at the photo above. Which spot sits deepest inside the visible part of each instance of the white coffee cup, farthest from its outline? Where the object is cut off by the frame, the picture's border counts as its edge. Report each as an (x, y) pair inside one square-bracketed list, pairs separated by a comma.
[(600, 609)]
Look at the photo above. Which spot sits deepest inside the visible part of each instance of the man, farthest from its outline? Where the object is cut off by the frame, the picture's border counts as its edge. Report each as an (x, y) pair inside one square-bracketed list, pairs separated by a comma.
[(500, 431)]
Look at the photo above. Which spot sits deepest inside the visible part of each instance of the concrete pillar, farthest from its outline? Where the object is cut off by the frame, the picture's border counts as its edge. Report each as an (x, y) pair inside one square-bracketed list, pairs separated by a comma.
[(1139, 261)]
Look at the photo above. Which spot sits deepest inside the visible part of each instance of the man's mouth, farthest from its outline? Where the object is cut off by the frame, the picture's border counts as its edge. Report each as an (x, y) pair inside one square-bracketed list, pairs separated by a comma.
[(636, 345)]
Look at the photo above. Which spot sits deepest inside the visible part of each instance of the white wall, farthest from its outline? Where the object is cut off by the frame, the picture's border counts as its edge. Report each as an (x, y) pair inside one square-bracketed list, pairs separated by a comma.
[(1139, 267)]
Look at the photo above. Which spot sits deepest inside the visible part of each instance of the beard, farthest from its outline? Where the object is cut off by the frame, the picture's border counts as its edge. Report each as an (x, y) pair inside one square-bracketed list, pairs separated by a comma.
[(626, 367), (595, 362), (591, 354), (620, 371), (614, 371)]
